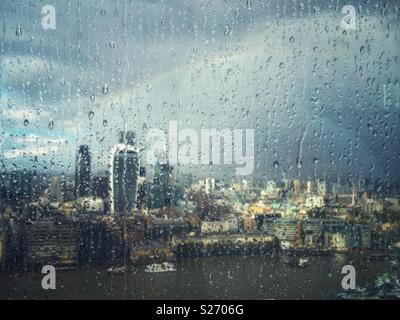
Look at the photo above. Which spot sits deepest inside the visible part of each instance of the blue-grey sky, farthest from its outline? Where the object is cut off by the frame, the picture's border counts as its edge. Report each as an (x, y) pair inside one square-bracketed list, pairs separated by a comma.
[(286, 69)]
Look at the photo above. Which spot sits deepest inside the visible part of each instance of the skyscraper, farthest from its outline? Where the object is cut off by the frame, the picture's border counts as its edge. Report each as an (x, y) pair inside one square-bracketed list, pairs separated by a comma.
[(20, 185), (56, 189), (321, 187), (309, 187), (296, 187), (82, 171), (162, 194), (124, 174), (143, 189)]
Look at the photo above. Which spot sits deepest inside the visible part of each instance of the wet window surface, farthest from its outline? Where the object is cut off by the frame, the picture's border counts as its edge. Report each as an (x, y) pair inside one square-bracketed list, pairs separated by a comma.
[(229, 149)]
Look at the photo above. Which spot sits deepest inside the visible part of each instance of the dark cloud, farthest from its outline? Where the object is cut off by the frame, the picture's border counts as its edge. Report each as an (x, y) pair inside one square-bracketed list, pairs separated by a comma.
[(276, 66)]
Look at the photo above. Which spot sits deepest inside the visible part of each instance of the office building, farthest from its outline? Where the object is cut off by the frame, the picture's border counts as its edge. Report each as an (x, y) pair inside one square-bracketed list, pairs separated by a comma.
[(82, 171), (124, 175)]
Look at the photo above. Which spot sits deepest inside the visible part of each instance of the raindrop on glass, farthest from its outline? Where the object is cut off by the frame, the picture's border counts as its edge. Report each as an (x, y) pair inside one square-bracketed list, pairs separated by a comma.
[(18, 31), (249, 4), (298, 163)]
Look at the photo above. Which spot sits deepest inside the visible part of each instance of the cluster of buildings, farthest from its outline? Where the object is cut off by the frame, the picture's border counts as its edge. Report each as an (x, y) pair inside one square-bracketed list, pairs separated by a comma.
[(86, 218), (96, 218), (314, 214)]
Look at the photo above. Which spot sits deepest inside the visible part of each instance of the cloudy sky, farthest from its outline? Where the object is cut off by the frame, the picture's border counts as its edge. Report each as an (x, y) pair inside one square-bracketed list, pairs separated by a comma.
[(322, 101)]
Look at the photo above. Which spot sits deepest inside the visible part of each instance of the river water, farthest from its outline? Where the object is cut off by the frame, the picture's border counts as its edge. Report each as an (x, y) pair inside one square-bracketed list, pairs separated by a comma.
[(237, 277)]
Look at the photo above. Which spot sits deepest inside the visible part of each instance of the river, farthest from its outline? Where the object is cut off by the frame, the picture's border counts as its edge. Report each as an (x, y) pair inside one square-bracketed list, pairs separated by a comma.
[(231, 277)]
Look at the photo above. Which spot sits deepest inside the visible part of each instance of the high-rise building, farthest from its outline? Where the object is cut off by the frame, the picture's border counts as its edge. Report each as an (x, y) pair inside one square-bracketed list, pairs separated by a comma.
[(143, 189), (124, 174), (270, 186), (321, 187), (82, 171), (185, 180), (309, 187), (56, 189), (162, 193), (337, 187), (209, 185), (3, 193), (296, 187), (101, 185), (20, 186)]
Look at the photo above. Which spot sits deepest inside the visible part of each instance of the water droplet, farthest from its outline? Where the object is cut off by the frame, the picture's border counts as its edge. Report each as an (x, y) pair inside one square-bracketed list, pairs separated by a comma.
[(51, 124), (26, 122), (105, 89), (149, 108), (91, 115), (291, 39), (92, 97), (276, 164), (105, 123), (315, 160), (227, 31), (18, 31), (249, 4), (298, 163)]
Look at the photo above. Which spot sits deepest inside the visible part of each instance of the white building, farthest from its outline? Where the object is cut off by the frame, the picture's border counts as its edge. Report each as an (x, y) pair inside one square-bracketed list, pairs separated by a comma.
[(309, 187), (371, 206), (336, 241), (321, 187), (91, 204), (55, 191), (314, 201), (233, 223), (270, 186), (209, 185), (208, 227), (271, 191), (124, 174)]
